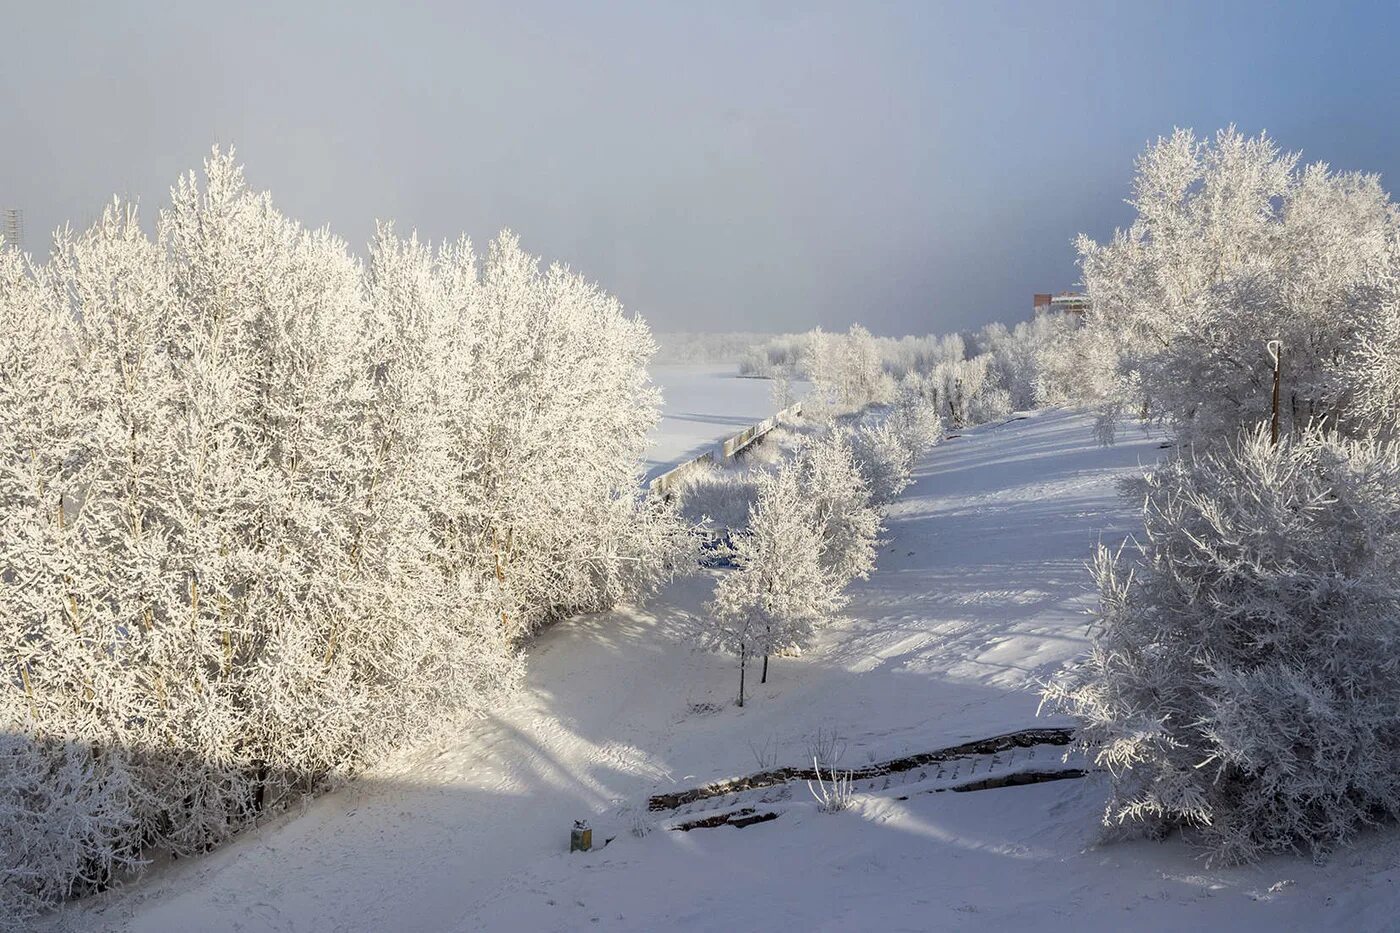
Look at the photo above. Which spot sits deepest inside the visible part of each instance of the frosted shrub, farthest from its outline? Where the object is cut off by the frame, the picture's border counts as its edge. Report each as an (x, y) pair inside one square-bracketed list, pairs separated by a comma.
[(267, 512), (832, 793), (65, 821), (1243, 680), (1373, 358), (839, 497), (846, 372), (915, 417), (991, 404), (1015, 354), (885, 461), (968, 392), (718, 495)]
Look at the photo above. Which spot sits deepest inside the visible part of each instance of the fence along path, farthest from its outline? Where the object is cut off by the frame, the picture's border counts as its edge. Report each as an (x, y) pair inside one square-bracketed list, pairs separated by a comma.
[(724, 451)]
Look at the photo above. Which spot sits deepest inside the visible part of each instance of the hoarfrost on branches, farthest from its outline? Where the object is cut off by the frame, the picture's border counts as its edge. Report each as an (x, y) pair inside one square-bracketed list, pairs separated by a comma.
[(267, 512), (1242, 680)]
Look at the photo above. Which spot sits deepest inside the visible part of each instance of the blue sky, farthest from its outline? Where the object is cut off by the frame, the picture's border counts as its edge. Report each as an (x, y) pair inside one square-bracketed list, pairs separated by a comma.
[(915, 166)]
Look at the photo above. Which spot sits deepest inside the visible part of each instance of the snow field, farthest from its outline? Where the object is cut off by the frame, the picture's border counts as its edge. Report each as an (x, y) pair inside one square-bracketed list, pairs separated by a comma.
[(979, 591)]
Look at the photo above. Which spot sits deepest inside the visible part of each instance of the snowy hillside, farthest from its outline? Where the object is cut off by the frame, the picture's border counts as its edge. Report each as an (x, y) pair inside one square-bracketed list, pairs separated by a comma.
[(979, 591)]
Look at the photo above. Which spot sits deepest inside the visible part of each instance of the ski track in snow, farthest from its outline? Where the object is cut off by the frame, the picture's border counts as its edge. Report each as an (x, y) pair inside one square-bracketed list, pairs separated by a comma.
[(980, 590)]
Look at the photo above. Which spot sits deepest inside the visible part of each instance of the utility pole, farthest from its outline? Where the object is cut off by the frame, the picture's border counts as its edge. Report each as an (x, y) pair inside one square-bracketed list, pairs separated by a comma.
[(1275, 348)]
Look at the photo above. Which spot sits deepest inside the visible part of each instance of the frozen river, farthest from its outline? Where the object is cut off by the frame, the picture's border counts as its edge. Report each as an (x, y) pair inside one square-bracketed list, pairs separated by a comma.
[(703, 404)]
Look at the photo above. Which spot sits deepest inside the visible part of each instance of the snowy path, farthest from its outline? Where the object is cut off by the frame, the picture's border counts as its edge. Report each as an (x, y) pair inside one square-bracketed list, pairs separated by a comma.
[(979, 590)]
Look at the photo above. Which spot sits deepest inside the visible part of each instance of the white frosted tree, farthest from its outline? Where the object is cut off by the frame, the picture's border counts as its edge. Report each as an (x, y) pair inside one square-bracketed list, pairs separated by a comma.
[(846, 371), (268, 512), (1235, 245), (1242, 681), (847, 520), (1015, 354), (779, 594), (885, 460), (915, 416)]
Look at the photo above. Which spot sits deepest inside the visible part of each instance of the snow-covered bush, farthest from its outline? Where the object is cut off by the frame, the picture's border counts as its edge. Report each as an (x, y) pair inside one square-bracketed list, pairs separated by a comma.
[(968, 383), (1374, 357), (1081, 368), (1014, 355), (779, 594), (267, 512), (1242, 680), (717, 495), (967, 392), (773, 356), (833, 792), (885, 460), (66, 821), (991, 404), (915, 416), (839, 497)]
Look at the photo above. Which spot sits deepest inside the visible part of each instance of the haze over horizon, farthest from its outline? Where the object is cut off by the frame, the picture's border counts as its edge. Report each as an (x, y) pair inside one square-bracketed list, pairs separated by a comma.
[(915, 167)]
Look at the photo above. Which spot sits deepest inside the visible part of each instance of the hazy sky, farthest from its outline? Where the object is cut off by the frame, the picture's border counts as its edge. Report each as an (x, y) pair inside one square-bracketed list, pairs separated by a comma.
[(760, 166)]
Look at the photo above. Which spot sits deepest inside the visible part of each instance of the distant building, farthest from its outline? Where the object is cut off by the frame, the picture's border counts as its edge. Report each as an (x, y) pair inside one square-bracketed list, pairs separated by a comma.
[(12, 230), (1066, 302)]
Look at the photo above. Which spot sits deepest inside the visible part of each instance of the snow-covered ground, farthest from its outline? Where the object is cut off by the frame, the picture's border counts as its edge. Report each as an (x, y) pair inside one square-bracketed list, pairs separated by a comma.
[(979, 591), (701, 405)]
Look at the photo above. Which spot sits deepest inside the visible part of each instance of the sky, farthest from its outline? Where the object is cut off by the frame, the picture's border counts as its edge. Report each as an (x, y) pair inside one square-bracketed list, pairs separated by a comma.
[(917, 167)]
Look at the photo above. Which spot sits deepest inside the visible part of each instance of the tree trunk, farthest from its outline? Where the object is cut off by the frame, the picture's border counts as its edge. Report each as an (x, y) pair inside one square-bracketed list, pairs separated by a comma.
[(743, 663), (1273, 423), (764, 678), (261, 773)]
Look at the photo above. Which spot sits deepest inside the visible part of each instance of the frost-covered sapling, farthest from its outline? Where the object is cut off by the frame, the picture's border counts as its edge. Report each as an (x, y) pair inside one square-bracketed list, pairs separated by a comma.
[(915, 417), (779, 592)]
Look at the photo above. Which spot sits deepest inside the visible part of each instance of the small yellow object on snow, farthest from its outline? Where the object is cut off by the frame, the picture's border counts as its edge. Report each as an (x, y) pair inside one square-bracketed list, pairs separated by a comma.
[(581, 839)]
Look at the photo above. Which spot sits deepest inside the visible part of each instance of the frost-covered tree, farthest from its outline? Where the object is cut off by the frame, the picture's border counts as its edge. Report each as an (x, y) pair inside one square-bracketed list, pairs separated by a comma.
[(1081, 369), (1242, 681), (967, 391), (1373, 359), (779, 593), (846, 518), (885, 460), (1014, 355), (846, 372), (67, 815), (915, 416), (267, 512), (1235, 245), (563, 407)]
